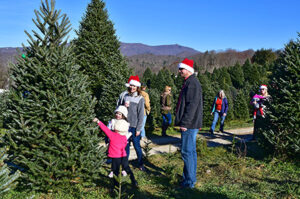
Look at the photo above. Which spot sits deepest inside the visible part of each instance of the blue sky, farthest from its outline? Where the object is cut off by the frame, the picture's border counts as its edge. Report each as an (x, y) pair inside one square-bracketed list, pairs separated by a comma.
[(199, 24)]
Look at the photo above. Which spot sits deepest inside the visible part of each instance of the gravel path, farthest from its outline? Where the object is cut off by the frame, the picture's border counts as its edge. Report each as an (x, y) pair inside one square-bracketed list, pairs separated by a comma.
[(172, 143)]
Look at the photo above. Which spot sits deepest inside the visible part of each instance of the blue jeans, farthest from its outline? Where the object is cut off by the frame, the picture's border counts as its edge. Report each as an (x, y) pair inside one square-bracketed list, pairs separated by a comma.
[(167, 119), (189, 157), (216, 117), (137, 146), (143, 132)]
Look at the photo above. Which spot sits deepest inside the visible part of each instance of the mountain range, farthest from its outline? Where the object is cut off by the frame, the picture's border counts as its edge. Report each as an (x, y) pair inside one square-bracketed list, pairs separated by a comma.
[(140, 56), (127, 49), (131, 49)]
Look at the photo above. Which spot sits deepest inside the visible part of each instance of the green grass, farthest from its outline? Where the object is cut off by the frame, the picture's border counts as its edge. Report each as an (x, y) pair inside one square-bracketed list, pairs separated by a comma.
[(221, 173)]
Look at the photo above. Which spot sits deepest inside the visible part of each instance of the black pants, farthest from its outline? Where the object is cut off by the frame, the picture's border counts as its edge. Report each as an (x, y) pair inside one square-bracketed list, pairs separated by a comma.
[(116, 163), (258, 124)]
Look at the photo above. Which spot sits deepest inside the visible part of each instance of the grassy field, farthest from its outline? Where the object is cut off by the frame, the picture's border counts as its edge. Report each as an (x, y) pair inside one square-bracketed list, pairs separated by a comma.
[(233, 172)]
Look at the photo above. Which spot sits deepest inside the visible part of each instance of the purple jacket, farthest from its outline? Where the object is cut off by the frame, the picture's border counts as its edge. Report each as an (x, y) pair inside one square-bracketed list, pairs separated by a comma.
[(224, 108)]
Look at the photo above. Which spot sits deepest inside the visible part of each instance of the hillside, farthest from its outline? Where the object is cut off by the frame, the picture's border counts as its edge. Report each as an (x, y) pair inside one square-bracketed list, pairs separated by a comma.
[(131, 49), (141, 56), (207, 61), (127, 49)]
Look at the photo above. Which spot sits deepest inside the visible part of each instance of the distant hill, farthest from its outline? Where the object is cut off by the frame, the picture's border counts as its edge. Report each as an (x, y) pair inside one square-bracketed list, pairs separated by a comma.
[(127, 49), (131, 49), (206, 61), (141, 56), (7, 54)]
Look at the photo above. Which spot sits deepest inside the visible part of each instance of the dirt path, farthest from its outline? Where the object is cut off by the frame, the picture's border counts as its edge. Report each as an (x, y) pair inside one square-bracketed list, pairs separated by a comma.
[(172, 143)]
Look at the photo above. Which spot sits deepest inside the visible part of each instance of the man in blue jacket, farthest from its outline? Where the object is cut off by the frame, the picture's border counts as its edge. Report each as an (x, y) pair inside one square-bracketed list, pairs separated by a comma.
[(189, 114)]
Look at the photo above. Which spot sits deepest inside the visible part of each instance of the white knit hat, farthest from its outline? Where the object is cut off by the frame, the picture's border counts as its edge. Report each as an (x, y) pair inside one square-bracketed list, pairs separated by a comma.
[(123, 110), (122, 127)]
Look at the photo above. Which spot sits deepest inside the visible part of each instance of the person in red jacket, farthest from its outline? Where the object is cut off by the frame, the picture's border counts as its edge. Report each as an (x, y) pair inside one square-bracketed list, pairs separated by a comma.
[(116, 149), (219, 110)]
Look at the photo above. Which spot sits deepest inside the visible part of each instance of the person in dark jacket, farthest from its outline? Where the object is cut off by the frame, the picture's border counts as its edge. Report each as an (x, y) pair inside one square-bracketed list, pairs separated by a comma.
[(219, 109), (260, 119), (189, 114)]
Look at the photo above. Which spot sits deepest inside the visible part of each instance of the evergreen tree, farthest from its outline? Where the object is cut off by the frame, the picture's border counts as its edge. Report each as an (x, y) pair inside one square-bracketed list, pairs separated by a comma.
[(223, 78), (281, 129), (3, 97), (7, 179), (237, 75), (264, 57), (148, 77), (159, 81), (49, 116), (209, 91), (215, 75), (98, 54), (231, 94), (240, 108), (251, 73), (155, 118), (163, 79)]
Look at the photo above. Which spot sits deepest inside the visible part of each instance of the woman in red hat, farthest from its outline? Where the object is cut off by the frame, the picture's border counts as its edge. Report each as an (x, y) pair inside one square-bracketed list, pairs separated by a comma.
[(260, 115), (135, 104)]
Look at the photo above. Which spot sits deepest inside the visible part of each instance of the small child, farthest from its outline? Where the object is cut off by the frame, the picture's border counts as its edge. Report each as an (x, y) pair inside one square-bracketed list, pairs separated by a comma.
[(118, 142), (257, 103), (120, 113)]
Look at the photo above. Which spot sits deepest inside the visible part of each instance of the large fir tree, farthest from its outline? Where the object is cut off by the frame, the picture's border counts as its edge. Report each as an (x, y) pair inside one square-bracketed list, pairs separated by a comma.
[(7, 178), (281, 128), (209, 91), (98, 54), (49, 114)]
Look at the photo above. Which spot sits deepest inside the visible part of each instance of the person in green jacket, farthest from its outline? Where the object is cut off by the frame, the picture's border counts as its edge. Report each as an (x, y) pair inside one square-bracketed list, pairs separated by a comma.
[(166, 106)]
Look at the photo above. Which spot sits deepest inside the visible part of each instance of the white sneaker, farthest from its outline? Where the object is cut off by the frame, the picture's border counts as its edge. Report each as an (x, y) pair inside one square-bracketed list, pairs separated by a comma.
[(111, 174), (124, 173)]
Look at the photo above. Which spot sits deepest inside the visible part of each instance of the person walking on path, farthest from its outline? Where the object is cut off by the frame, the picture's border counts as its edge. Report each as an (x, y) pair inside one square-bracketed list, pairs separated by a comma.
[(147, 108), (260, 118), (116, 150), (189, 114), (166, 106), (219, 109), (135, 104)]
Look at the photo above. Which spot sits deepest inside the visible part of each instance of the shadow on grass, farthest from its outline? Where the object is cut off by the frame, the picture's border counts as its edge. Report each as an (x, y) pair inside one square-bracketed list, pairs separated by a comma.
[(225, 136), (150, 168), (179, 194), (170, 190), (158, 140)]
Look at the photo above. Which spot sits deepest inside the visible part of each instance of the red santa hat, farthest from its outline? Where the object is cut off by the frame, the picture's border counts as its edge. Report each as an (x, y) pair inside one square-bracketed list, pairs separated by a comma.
[(263, 86), (133, 80), (187, 64)]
